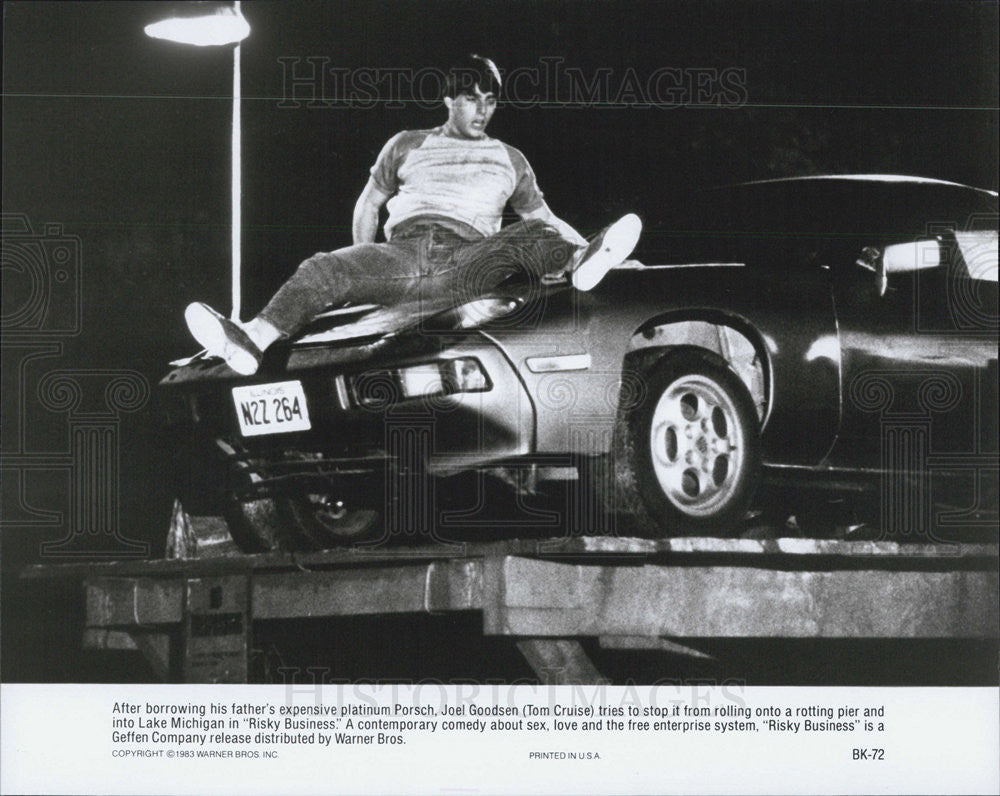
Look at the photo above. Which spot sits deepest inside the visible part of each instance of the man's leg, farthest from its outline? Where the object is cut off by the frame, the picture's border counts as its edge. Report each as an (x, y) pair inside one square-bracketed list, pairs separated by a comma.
[(527, 250), (367, 273), (377, 273), (536, 251)]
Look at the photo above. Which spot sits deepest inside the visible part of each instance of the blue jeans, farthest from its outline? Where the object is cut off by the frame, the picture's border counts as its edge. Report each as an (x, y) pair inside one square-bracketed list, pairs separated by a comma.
[(422, 259)]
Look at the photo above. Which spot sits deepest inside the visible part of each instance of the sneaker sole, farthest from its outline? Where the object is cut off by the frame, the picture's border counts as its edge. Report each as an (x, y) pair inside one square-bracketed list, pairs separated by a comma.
[(618, 242), (207, 330)]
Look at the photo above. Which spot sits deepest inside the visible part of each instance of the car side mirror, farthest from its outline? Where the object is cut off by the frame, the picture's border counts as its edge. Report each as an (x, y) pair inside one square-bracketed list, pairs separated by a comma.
[(881, 277), (900, 258), (871, 260)]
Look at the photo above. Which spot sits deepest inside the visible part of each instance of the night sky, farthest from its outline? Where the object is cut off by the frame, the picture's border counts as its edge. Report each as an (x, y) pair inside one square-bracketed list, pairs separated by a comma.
[(124, 142)]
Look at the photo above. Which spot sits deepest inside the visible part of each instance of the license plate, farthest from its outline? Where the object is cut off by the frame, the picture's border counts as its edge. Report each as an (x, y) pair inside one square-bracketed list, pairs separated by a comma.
[(271, 408)]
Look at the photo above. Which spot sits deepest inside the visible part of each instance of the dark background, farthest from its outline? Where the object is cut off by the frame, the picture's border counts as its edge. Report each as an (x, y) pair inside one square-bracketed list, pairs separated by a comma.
[(124, 141)]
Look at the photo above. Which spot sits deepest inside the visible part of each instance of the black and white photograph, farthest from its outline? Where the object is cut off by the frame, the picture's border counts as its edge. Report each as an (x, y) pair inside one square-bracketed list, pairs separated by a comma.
[(625, 372)]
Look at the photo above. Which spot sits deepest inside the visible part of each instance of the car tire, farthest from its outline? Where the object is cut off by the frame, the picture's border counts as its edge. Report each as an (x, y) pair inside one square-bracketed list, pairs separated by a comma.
[(319, 524), (206, 486), (299, 523), (687, 455)]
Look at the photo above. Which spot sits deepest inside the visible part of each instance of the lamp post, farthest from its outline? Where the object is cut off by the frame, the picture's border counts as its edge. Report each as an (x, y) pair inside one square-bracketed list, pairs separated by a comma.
[(224, 25)]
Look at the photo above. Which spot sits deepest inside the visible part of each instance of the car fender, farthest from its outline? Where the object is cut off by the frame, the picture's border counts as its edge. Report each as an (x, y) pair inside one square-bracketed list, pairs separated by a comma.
[(790, 324)]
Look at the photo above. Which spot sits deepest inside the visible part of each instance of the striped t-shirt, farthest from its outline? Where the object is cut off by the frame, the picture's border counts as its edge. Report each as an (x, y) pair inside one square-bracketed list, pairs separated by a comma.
[(469, 180)]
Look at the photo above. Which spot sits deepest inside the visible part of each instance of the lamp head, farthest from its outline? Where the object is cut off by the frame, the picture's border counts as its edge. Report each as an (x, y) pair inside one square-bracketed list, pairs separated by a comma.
[(213, 26)]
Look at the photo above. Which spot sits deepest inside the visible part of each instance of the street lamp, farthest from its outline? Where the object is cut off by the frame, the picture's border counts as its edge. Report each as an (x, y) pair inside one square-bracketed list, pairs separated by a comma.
[(221, 25)]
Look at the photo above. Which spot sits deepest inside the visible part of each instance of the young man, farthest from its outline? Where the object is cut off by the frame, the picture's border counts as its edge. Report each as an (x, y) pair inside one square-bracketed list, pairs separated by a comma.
[(445, 190)]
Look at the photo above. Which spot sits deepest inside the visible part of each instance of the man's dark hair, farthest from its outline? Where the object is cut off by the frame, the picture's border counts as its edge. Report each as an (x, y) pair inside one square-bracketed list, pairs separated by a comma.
[(469, 72)]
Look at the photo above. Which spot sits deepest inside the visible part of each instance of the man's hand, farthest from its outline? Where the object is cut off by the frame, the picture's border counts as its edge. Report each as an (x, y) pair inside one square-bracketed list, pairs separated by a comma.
[(544, 213), (365, 222)]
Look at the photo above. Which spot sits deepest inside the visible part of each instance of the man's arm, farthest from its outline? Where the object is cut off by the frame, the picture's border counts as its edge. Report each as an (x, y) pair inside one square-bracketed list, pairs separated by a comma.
[(544, 213), (365, 222)]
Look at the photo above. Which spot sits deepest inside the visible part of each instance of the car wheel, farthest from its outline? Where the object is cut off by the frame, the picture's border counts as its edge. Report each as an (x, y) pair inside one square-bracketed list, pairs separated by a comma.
[(687, 458), (320, 522), (298, 523)]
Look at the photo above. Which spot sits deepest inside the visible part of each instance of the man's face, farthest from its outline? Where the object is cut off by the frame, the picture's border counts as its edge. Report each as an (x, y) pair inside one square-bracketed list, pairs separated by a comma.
[(470, 112)]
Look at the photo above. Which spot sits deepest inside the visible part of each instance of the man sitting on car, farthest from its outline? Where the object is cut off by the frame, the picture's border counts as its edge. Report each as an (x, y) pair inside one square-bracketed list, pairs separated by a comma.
[(445, 190)]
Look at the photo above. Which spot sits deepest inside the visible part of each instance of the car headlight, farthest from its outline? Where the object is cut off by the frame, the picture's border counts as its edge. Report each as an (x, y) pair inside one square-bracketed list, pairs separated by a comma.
[(380, 388)]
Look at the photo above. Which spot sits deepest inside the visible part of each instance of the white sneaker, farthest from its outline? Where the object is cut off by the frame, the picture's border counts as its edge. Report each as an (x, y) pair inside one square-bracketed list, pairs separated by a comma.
[(223, 338), (609, 248)]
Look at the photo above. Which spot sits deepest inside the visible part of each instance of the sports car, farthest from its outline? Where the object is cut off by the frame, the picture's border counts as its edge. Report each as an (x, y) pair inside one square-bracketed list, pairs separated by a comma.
[(832, 335)]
